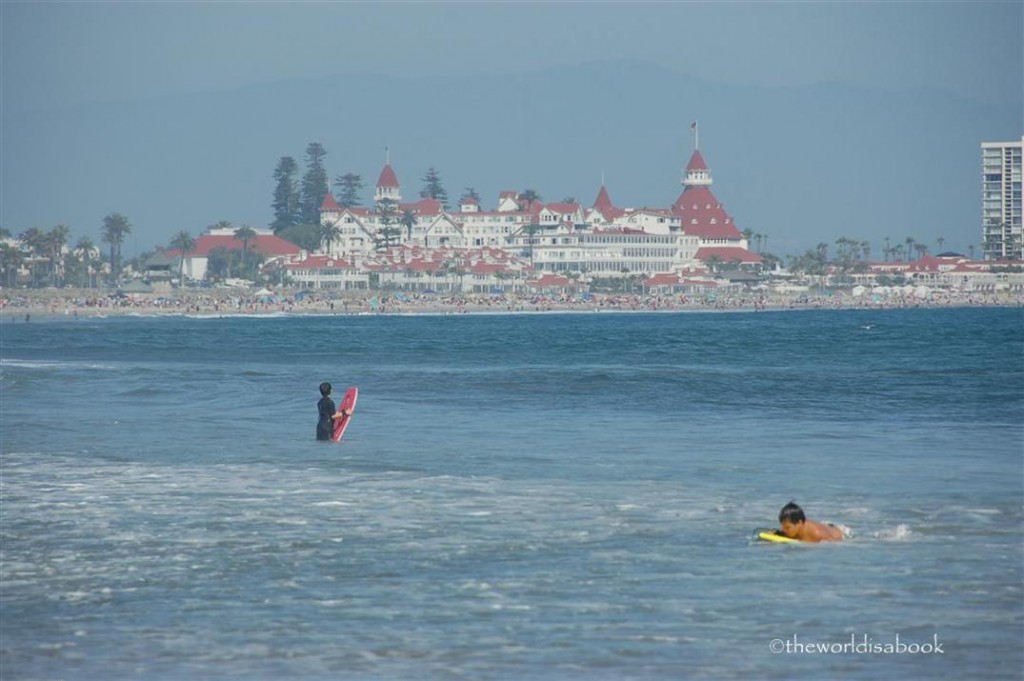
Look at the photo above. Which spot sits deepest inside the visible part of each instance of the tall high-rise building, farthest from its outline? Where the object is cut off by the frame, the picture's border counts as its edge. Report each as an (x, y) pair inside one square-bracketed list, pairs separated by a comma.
[(1001, 225)]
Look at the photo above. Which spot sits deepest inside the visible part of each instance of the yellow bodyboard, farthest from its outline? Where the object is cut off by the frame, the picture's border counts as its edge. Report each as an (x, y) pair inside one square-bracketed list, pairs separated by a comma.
[(773, 536)]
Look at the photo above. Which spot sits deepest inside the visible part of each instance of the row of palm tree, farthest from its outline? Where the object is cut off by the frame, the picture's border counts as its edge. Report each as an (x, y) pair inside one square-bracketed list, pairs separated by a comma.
[(38, 247)]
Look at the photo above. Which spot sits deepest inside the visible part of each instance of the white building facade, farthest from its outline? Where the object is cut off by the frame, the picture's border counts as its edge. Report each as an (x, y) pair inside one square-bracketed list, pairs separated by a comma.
[(1001, 225)]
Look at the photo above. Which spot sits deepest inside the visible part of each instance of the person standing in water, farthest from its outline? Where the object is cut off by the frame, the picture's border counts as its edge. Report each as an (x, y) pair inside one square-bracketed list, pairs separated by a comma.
[(327, 413)]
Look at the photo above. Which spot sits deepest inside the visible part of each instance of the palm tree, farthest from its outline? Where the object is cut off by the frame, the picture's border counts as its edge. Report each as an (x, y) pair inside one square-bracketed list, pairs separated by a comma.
[(823, 251), (56, 240), (408, 220), (530, 230), (34, 239), (84, 247), (245, 234), (714, 263), (184, 242), (10, 260), (329, 233), (940, 241), (115, 228)]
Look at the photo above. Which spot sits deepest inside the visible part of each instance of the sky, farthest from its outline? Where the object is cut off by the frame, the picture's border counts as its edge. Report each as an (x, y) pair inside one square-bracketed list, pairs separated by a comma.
[(65, 54)]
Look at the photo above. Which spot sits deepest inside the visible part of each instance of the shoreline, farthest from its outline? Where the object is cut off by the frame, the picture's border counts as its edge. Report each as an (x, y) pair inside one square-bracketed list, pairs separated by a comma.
[(52, 304)]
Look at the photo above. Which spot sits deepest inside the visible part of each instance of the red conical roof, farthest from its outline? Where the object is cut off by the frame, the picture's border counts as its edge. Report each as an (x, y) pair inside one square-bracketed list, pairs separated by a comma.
[(387, 177), (603, 202), (696, 162), (329, 205)]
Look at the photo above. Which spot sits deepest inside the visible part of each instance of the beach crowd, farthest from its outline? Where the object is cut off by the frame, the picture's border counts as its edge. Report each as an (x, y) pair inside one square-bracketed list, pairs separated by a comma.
[(25, 305)]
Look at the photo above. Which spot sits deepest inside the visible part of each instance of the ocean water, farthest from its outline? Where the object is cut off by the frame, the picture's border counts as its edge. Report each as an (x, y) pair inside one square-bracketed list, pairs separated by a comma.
[(550, 496)]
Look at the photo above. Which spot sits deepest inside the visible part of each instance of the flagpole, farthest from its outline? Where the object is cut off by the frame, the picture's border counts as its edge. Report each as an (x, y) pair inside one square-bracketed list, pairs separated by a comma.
[(696, 136)]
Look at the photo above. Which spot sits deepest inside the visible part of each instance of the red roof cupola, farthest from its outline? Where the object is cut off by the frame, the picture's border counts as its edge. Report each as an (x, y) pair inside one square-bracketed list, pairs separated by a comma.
[(697, 172), (387, 178), (603, 202), (329, 205), (387, 183)]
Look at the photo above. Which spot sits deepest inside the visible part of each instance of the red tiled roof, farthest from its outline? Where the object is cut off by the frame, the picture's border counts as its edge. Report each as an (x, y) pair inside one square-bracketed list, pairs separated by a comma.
[(562, 208), (702, 215), (319, 262), (329, 205), (662, 279), (696, 162), (268, 244), (549, 279), (603, 205), (423, 207), (727, 254), (387, 177)]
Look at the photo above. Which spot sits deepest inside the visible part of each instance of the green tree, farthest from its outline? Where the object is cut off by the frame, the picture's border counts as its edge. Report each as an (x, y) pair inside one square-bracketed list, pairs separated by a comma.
[(329, 233), (115, 228), (83, 248), (35, 241), (531, 229), (527, 198), (909, 241), (433, 188), (306, 237), (714, 263), (184, 242), (286, 194), (245, 234), (56, 240), (348, 187), (408, 220), (387, 234), (470, 193), (11, 259), (314, 184)]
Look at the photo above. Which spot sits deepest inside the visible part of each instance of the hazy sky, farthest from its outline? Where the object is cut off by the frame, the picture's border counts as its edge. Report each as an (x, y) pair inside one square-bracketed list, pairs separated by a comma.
[(61, 52), (63, 55)]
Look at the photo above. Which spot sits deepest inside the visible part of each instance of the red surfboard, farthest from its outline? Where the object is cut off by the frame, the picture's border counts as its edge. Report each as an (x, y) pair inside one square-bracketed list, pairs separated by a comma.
[(348, 402)]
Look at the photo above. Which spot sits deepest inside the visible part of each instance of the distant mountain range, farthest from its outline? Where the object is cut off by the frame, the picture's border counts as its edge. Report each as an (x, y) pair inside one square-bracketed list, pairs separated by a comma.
[(803, 165)]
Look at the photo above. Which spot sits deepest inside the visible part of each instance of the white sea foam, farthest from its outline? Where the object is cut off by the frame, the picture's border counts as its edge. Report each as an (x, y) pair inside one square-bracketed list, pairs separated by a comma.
[(901, 532)]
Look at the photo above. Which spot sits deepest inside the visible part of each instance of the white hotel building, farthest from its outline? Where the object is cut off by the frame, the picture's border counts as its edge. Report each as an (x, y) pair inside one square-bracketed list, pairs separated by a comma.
[(602, 240)]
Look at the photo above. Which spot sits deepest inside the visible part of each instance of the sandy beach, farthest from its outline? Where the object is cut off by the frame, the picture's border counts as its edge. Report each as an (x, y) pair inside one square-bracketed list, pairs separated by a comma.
[(28, 305)]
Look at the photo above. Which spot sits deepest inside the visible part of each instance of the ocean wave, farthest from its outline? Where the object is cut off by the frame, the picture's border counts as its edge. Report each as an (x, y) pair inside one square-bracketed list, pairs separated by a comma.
[(48, 364)]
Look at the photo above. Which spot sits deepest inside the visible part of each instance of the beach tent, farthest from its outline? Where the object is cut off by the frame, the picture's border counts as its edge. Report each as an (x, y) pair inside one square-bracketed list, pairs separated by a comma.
[(858, 291)]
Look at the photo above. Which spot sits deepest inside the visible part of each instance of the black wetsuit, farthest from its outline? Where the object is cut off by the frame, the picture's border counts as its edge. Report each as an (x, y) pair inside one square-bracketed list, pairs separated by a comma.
[(325, 426)]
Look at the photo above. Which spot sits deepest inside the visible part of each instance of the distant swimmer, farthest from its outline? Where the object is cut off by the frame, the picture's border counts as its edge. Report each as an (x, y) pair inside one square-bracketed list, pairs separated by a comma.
[(795, 525), (325, 407)]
